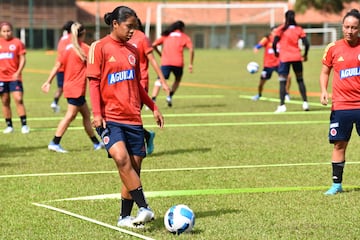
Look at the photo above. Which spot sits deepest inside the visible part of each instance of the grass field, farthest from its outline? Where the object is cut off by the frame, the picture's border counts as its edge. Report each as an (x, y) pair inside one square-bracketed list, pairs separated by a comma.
[(246, 172)]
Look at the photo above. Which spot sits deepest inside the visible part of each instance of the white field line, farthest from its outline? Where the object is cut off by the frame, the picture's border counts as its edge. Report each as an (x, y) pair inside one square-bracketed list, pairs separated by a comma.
[(92, 221), (171, 169)]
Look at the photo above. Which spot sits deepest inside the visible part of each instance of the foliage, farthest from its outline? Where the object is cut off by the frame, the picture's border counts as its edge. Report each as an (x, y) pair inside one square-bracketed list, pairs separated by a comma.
[(331, 6)]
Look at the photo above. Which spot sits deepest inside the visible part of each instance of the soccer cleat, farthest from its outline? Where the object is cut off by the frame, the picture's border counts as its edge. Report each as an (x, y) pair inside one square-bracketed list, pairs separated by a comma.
[(305, 106), (8, 130), (281, 109), (55, 107), (150, 143), (56, 148), (98, 146), (287, 98), (25, 129), (128, 222), (335, 188), (169, 101), (143, 216), (256, 97)]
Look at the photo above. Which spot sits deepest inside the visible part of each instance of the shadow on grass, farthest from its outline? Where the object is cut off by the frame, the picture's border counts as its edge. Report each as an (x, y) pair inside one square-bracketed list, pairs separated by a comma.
[(12, 150), (180, 151)]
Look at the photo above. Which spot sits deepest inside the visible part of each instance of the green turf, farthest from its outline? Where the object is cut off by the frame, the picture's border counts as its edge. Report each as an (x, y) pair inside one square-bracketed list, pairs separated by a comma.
[(246, 172)]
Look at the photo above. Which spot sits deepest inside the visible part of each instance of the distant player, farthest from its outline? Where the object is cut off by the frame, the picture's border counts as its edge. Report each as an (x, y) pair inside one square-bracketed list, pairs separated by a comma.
[(270, 64), (12, 62), (173, 41), (73, 61), (64, 41), (287, 36)]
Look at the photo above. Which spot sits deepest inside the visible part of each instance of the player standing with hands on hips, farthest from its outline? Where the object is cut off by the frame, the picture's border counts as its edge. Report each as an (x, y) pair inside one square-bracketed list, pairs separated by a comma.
[(288, 36), (117, 96), (343, 56), (12, 62)]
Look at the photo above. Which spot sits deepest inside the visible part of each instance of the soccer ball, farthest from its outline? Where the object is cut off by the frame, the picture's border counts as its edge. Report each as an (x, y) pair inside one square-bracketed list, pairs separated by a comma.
[(179, 219), (252, 67)]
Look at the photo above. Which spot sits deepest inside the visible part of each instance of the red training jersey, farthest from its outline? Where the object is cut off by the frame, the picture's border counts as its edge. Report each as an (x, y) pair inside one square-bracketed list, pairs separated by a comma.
[(64, 41), (10, 51), (289, 50), (270, 60), (74, 71), (172, 53), (116, 65), (143, 45), (345, 61)]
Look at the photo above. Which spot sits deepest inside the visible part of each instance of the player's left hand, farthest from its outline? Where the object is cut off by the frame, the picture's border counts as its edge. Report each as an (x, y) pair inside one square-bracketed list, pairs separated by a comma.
[(159, 118)]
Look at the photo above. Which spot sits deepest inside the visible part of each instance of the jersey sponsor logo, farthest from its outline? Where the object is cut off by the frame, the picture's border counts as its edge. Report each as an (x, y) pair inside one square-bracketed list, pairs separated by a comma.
[(7, 55), (121, 76), (350, 72)]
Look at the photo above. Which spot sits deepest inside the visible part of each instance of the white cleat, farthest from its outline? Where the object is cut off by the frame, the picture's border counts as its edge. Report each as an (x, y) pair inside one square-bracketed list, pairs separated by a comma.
[(56, 148), (143, 216), (305, 106), (8, 130), (281, 109), (25, 129)]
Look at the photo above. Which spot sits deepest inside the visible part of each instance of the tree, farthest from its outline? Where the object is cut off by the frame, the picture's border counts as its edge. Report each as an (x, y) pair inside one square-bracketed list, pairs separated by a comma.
[(331, 6)]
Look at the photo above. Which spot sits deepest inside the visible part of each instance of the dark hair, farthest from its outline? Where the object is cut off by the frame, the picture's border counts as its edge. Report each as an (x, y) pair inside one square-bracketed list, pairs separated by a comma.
[(67, 26), (289, 19), (139, 25), (120, 14), (178, 25), (352, 13)]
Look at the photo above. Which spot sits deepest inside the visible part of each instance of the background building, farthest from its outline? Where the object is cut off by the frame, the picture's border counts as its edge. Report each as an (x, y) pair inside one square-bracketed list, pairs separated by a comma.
[(38, 22)]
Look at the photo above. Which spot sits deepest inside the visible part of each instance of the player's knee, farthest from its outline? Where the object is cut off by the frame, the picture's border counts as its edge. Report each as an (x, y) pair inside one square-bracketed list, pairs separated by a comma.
[(157, 83)]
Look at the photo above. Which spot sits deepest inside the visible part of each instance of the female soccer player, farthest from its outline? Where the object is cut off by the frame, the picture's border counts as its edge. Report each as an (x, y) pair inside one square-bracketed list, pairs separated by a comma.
[(12, 62), (143, 45), (173, 41), (73, 60), (64, 41), (288, 35), (270, 63), (343, 57), (116, 94)]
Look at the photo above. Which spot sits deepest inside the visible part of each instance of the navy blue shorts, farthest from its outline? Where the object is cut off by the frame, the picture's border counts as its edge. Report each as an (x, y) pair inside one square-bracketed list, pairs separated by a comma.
[(284, 67), (166, 70), (132, 135), (60, 79), (77, 101), (14, 86), (267, 72), (342, 123)]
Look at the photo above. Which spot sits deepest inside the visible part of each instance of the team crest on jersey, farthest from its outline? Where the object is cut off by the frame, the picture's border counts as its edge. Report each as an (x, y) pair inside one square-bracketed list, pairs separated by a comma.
[(359, 57), (333, 132), (12, 47), (132, 59), (106, 140)]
